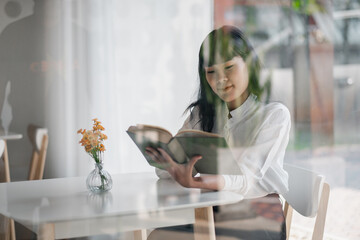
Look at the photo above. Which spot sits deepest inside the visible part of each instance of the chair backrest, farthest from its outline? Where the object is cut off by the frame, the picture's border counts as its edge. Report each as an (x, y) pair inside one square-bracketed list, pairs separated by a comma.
[(308, 194), (39, 139)]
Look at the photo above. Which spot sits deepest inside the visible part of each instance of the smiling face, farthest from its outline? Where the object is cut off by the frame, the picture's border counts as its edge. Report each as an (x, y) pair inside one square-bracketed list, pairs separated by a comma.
[(229, 80)]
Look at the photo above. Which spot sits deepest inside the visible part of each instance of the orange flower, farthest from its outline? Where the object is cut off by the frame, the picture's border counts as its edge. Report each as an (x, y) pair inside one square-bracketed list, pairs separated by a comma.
[(100, 128), (92, 140), (103, 136), (102, 148), (88, 148)]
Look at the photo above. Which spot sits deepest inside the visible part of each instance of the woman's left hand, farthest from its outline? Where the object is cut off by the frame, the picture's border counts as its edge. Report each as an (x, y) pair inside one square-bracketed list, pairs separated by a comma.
[(182, 173)]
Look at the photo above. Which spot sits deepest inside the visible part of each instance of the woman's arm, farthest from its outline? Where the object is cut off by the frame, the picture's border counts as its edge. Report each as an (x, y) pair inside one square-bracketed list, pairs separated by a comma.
[(261, 162), (182, 173)]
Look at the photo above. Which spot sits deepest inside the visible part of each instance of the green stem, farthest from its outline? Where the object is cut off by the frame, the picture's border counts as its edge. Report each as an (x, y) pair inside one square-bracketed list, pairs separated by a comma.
[(103, 178), (102, 181), (96, 156)]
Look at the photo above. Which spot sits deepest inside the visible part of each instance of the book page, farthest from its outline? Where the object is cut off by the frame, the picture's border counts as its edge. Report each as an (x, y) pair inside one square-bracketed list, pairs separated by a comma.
[(154, 136), (195, 133), (143, 140), (153, 133)]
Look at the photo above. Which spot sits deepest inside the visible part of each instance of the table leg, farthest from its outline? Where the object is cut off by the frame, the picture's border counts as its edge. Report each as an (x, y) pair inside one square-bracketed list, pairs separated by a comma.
[(12, 230), (204, 227), (140, 234), (46, 232)]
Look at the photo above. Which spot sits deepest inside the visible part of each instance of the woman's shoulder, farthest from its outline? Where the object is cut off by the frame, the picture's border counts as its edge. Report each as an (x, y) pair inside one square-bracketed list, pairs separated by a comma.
[(276, 106), (276, 111)]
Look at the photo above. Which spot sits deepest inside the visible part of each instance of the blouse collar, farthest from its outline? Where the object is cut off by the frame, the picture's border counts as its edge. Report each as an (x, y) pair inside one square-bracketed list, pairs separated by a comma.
[(244, 109)]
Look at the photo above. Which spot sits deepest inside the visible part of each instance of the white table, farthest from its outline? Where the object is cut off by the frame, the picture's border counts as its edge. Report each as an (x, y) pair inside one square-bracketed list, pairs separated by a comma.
[(64, 208)]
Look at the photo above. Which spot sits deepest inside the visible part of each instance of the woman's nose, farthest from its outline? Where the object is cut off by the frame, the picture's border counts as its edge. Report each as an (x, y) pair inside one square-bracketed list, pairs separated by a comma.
[(221, 76)]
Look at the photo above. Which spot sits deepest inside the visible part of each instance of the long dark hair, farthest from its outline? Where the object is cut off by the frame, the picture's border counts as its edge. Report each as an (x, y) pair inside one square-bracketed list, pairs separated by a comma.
[(226, 42)]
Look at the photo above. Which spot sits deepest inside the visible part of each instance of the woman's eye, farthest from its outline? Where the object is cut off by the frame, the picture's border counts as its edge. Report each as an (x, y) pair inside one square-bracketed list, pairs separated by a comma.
[(210, 71), (229, 67)]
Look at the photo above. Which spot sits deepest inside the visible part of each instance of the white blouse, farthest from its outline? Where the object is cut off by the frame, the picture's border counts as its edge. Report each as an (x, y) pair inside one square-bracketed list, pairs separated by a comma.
[(258, 135)]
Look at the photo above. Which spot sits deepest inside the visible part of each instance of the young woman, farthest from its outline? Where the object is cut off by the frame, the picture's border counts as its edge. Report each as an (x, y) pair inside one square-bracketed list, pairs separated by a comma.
[(229, 104)]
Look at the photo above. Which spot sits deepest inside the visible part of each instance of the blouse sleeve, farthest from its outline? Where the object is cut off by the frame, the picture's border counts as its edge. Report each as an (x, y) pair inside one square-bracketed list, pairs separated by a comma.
[(262, 163)]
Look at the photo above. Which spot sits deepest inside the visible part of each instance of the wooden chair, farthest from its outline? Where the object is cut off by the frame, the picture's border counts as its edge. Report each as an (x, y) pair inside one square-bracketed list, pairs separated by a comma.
[(39, 139), (308, 194), (4, 175), (7, 227)]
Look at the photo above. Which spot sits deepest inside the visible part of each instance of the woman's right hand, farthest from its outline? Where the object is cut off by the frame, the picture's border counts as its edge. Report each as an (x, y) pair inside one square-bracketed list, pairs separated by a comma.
[(182, 173)]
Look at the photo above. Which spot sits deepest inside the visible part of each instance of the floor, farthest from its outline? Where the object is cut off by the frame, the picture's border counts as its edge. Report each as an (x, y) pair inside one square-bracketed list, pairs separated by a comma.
[(342, 221), (341, 168)]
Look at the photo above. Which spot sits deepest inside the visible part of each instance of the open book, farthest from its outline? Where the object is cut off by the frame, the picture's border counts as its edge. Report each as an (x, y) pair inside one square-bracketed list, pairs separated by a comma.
[(217, 157)]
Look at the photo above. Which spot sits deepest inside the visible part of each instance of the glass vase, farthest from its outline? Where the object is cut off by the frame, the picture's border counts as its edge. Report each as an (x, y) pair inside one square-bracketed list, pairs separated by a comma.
[(99, 180)]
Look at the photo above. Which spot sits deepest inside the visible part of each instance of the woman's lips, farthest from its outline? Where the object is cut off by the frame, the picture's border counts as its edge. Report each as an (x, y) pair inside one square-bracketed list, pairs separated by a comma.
[(227, 88)]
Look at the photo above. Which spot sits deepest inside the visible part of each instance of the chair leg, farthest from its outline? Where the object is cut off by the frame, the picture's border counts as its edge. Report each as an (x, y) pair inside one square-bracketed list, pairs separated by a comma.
[(6, 164), (42, 157), (11, 225), (33, 165), (4, 228), (321, 214), (288, 212)]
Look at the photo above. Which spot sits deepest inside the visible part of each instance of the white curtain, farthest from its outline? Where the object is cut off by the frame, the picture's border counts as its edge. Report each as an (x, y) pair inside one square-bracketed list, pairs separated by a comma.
[(123, 62)]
